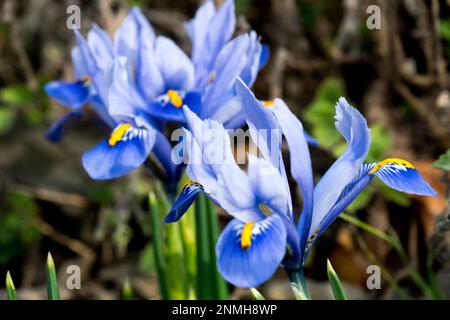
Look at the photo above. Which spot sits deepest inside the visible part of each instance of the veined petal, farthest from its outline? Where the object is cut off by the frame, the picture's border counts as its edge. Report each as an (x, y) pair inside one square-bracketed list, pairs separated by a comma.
[(219, 33), (229, 64), (211, 163), (401, 175), (353, 127), (268, 185), (176, 67), (101, 47), (197, 28), (125, 150), (79, 68), (248, 254), (149, 79), (55, 132), (300, 161), (168, 107), (127, 36), (123, 99), (70, 94), (253, 57), (184, 201), (264, 130)]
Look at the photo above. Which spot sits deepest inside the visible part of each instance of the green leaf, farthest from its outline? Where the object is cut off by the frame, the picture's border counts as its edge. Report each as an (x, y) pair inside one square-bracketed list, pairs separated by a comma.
[(256, 295), (221, 287), (10, 289), (52, 281), (7, 119), (205, 280), (335, 283), (443, 162), (127, 291), (158, 244), (19, 94)]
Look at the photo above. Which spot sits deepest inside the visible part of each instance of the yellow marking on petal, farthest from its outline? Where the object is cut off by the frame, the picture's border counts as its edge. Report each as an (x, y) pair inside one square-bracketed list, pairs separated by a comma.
[(86, 79), (118, 133), (391, 160), (264, 209), (175, 98), (268, 103), (246, 236), (212, 77)]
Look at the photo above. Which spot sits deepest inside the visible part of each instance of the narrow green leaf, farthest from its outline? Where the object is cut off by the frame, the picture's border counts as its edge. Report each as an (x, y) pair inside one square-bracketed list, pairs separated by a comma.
[(158, 245), (173, 250), (52, 281), (10, 288), (127, 290), (335, 283), (256, 295), (205, 285), (220, 285)]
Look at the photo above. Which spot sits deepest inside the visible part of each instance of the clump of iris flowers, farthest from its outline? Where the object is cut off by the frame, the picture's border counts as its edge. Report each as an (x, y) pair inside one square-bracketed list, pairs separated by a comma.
[(136, 82), (263, 233)]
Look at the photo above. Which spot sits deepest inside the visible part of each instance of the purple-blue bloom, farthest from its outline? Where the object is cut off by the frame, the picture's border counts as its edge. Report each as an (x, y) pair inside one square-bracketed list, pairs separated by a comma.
[(263, 233)]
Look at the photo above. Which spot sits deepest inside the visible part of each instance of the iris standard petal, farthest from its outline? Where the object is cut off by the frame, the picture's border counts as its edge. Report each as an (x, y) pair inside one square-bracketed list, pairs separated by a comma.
[(55, 132), (184, 201), (124, 151), (176, 67), (401, 175), (126, 38), (123, 99), (268, 185), (253, 57), (101, 47), (148, 75), (353, 127), (300, 161), (228, 66), (248, 254), (197, 28), (219, 32), (70, 94), (79, 68), (264, 130)]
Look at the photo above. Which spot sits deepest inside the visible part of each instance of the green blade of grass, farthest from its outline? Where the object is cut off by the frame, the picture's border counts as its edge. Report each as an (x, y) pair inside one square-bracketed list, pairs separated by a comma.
[(205, 287), (158, 245), (10, 288), (173, 250), (220, 286), (127, 290), (52, 281), (335, 283), (256, 295)]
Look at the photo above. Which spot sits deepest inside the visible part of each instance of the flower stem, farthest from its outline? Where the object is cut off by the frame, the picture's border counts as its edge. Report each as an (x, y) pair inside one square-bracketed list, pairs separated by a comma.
[(298, 284)]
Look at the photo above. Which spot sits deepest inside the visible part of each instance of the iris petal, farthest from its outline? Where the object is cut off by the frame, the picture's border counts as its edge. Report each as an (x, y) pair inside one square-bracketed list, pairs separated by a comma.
[(107, 162), (402, 176), (163, 109), (183, 202), (254, 265), (70, 94), (352, 125), (176, 67)]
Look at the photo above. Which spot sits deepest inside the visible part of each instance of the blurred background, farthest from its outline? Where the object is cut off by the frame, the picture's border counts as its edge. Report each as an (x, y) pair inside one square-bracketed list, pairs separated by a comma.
[(398, 76)]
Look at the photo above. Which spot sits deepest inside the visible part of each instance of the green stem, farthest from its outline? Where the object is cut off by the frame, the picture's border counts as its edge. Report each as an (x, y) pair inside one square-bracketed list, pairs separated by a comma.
[(298, 284)]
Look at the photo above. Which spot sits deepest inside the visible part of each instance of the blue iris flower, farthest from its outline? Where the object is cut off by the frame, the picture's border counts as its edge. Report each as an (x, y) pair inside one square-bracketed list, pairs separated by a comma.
[(263, 233), (161, 79)]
